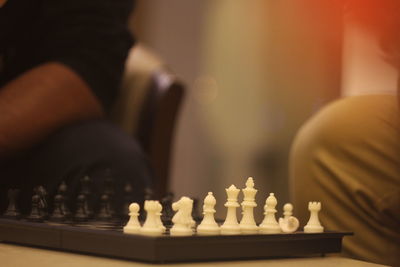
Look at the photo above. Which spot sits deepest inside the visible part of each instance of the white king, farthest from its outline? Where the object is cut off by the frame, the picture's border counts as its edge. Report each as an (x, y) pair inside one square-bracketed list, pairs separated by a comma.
[(247, 224)]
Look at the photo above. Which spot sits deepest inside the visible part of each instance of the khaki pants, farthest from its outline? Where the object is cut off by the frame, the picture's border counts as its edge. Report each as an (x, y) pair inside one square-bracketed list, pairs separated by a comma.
[(348, 157)]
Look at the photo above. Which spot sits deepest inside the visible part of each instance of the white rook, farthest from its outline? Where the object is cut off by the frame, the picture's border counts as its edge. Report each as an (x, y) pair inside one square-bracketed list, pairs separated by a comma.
[(313, 225)]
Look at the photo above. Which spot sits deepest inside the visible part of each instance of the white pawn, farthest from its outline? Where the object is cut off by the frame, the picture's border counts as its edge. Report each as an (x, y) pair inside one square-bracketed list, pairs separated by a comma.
[(182, 219), (313, 225), (288, 223), (208, 225), (158, 217), (151, 226), (269, 225), (248, 224), (231, 225), (133, 225)]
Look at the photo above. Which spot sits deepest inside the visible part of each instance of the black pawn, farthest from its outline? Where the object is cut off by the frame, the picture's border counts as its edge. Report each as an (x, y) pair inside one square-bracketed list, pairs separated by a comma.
[(148, 193), (58, 214), (12, 211), (109, 183), (167, 211), (80, 214), (128, 199), (195, 211), (104, 212), (63, 190), (85, 190), (35, 215), (109, 191)]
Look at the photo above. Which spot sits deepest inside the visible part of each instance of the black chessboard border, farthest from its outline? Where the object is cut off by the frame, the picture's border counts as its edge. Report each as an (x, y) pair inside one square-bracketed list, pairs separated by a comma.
[(163, 249)]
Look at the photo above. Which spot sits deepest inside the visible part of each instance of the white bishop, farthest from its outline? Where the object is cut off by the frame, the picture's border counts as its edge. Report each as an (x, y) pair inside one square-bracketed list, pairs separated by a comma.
[(208, 225), (269, 225)]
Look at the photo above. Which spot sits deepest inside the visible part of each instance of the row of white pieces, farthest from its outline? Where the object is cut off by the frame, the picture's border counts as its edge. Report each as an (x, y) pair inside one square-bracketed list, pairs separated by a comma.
[(183, 221), (269, 224), (153, 224), (183, 224), (247, 225)]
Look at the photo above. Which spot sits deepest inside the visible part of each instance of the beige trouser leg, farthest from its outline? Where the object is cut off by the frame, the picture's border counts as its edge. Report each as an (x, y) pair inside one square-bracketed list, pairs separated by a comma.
[(348, 157)]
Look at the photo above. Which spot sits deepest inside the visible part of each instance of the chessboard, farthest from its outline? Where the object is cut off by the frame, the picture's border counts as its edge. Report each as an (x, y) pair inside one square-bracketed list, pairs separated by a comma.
[(110, 241), (163, 231)]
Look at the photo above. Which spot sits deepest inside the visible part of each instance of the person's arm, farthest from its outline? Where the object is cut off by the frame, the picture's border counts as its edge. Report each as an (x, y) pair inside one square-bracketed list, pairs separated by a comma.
[(71, 71), (40, 101)]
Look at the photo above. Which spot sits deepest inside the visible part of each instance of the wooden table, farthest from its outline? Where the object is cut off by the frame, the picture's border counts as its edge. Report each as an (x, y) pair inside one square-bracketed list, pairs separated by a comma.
[(16, 256)]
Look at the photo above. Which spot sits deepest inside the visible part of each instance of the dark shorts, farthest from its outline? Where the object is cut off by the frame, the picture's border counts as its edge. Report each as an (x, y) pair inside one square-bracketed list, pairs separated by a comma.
[(95, 148)]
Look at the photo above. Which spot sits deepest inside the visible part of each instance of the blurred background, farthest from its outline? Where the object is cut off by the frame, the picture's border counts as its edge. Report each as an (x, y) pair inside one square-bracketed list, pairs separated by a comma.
[(254, 74)]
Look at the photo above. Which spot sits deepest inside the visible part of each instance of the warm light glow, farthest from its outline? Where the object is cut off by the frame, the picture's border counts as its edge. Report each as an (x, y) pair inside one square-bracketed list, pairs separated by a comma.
[(381, 18), (2, 2)]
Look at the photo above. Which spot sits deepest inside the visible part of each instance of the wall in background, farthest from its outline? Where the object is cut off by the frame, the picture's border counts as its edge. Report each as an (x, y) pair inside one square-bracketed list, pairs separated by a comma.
[(365, 70), (254, 74)]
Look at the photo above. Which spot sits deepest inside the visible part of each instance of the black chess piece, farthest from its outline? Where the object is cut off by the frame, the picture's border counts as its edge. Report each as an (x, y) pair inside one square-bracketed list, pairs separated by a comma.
[(81, 214), (12, 211), (58, 214), (104, 212), (128, 199), (148, 193), (63, 190), (42, 203), (86, 190), (109, 191), (167, 211), (35, 215), (109, 183), (195, 211)]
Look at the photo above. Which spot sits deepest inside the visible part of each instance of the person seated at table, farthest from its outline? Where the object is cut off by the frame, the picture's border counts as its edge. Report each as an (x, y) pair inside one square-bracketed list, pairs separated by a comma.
[(348, 157), (61, 64)]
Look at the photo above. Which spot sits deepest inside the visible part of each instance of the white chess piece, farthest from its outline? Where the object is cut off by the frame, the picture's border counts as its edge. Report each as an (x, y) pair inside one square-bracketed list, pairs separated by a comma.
[(313, 225), (208, 225), (158, 217), (133, 225), (269, 225), (248, 224), (182, 219), (288, 223), (151, 226), (231, 225)]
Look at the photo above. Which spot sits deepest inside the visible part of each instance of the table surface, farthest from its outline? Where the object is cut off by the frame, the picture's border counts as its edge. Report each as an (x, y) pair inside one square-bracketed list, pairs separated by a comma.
[(13, 256)]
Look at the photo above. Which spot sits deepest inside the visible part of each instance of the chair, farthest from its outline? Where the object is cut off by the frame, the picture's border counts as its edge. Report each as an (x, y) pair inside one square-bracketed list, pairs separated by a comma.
[(148, 108)]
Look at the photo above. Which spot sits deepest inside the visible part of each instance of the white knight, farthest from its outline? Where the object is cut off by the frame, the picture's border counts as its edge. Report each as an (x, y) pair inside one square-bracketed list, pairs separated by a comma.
[(182, 219)]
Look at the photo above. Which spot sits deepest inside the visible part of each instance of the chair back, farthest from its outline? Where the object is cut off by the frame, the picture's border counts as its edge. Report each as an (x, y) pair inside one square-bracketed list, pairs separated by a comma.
[(147, 108)]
